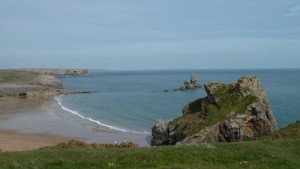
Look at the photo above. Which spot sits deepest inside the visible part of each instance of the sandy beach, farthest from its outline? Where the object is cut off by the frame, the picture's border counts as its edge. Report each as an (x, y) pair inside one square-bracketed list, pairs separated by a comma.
[(27, 124), (14, 141)]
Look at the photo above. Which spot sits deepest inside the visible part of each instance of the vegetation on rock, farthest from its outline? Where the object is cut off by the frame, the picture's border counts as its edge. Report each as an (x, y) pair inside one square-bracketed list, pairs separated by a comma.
[(229, 112)]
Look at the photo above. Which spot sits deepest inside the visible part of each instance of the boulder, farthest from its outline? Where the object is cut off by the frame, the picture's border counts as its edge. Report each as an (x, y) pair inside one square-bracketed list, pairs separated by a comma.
[(229, 112)]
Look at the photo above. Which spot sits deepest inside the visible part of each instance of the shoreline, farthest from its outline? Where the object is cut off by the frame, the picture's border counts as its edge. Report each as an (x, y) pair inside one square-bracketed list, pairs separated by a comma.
[(27, 124), (110, 127)]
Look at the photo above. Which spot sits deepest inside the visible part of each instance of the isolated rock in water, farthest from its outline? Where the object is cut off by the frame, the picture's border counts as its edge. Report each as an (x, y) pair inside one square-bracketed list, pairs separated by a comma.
[(190, 84), (229, 112)]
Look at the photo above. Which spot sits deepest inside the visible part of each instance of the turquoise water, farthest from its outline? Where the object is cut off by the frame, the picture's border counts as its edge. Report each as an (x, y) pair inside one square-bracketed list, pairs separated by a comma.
[(134, 100)]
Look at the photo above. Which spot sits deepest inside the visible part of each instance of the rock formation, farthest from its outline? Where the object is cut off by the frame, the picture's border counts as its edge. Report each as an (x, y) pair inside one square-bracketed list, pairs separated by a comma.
[(190, 84), (229, 112)]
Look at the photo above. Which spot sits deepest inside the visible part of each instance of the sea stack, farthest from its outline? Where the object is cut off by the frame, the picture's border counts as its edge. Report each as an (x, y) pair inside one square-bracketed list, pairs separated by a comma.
[(229, 112), (190, 84)]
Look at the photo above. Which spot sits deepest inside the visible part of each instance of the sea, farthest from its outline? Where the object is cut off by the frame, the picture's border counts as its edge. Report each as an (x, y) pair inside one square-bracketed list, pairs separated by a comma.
[(132, 101)]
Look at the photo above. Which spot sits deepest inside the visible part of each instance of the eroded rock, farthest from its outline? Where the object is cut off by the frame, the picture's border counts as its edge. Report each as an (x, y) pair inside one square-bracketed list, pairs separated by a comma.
[(163, 133), (229, 112), (190, 84)]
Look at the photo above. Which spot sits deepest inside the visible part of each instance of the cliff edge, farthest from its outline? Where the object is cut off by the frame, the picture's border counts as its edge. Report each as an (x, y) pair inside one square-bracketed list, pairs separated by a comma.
[(229, 112), (20, 83), (56, 72)]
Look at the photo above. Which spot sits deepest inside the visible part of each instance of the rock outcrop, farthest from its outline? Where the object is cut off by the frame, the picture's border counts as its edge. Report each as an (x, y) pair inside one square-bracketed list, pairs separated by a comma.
[(190, 84), (229, 112)]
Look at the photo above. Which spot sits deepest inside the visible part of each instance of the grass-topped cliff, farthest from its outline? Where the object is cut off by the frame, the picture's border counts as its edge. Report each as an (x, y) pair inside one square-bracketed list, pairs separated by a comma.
[(35, 82), (196, 117), (282, 152), (9, 76), (229, 112), (56, 72), (21, 83)]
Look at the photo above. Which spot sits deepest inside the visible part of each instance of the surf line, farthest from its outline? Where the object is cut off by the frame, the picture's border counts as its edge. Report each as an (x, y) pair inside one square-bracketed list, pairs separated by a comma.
[(58, 99)]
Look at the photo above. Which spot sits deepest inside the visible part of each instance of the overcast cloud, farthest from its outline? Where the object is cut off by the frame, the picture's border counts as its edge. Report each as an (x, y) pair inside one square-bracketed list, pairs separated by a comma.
[(156, 34)]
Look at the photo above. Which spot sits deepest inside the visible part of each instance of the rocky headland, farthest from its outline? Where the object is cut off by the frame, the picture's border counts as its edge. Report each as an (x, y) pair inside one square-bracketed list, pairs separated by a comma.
[(35, 82), (229, 112), (56, 72)]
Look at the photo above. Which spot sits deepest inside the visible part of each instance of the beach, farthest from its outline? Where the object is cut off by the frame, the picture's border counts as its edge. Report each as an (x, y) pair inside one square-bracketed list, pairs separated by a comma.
[(27, 124), (15, 141)]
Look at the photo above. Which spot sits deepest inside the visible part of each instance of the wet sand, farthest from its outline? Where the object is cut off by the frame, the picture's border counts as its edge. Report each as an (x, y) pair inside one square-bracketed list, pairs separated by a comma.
[(27, 124)]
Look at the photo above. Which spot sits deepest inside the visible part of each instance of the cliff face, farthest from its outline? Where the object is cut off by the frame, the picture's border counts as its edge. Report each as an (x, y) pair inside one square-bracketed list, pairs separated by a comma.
[(58, 72), (35, 82), (36, 85), (229, 112)]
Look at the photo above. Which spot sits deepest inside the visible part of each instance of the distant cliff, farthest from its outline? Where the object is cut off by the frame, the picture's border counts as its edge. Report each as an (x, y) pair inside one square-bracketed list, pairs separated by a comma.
[(35, 82), (229, 112), (58, 72)]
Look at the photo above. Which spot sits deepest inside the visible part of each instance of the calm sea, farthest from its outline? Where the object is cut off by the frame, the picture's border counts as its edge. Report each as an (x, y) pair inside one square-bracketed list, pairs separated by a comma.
[(134, 100)]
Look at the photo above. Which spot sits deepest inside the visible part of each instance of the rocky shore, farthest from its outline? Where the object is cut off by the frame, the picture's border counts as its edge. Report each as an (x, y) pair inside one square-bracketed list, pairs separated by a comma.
[(229, 112)]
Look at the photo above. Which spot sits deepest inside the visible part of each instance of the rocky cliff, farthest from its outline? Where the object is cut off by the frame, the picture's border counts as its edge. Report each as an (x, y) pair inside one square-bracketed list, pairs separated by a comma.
[(17, 83), (57, 72), (229, 112)]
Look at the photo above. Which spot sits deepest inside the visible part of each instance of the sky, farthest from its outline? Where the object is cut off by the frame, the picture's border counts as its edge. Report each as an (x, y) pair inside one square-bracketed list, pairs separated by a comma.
[(150, 34)]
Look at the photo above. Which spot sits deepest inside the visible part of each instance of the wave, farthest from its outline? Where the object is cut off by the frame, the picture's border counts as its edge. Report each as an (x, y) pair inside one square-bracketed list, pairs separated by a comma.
[(58, 99)]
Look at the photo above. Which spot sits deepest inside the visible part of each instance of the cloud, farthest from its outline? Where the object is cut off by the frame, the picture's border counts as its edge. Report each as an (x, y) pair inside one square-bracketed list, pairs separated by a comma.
[(294, 11)]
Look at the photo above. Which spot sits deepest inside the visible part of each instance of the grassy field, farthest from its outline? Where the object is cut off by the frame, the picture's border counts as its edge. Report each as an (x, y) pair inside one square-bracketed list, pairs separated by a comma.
[(7, 76), (277, 151), (259, 154)]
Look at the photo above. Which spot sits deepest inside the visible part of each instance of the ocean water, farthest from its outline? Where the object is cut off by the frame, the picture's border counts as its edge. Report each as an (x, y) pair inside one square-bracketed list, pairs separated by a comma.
[(131, 101)]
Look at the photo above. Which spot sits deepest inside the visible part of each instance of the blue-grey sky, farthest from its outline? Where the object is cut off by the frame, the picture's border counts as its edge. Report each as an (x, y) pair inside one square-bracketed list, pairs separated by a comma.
[(150, 34)]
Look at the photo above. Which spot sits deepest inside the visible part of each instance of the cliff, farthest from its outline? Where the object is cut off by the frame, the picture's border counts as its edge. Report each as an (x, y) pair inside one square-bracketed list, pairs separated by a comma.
[(17, 83), (229, 112), (57, 72)]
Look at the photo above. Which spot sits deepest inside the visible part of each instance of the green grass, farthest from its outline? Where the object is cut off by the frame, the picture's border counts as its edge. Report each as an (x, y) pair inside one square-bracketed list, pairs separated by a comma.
[(282, 153), (291, 131), (269, 153), (16, 76)]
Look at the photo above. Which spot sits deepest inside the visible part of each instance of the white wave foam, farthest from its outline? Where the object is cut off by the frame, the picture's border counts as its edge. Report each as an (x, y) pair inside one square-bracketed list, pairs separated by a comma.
[(58, 99)]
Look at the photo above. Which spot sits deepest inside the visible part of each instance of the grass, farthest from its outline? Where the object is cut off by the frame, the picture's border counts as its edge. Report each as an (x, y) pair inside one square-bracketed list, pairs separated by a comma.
[(280, 150), (291, 131), (282, 153), (269, 153), (16, 76)]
